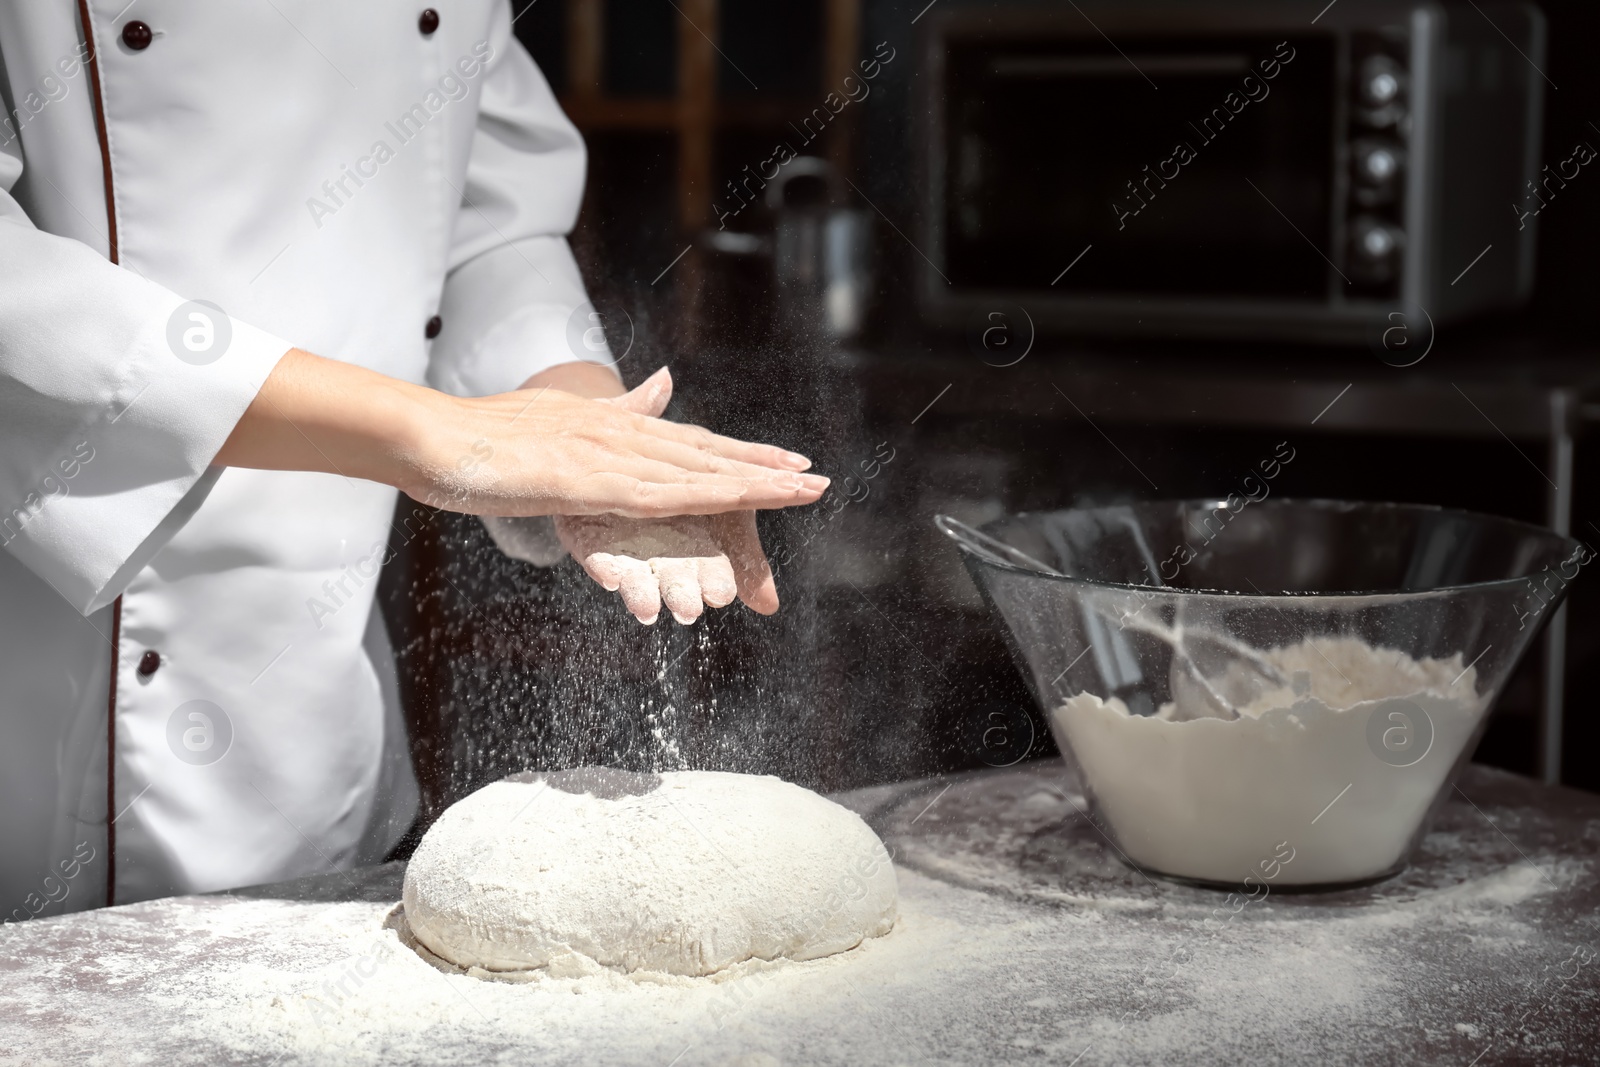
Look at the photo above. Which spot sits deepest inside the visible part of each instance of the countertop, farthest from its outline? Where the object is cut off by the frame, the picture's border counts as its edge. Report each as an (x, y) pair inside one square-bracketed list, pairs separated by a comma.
[(1022, 938)]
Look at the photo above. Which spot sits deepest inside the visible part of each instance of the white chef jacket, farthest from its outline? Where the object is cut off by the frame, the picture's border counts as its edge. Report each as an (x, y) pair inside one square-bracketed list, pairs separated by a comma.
[(331, 176)]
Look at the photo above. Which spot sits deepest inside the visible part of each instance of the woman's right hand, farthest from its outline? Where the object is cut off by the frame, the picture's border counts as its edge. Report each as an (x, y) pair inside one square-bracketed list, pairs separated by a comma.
[(526, 452), (546, 452)]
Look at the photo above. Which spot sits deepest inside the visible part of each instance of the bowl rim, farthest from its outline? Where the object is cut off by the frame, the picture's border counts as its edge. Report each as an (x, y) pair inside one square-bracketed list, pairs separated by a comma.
[(1319, 503)]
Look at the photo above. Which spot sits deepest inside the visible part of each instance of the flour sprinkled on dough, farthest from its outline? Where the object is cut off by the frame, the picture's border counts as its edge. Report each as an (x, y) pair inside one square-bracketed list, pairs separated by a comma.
[(687, 872)]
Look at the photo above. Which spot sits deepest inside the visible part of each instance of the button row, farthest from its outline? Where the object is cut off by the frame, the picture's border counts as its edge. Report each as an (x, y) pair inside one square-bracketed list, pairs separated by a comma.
[(137, 35)]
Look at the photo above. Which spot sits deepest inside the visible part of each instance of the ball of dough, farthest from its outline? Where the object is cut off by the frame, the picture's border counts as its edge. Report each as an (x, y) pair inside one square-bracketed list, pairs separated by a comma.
[(684, 872)]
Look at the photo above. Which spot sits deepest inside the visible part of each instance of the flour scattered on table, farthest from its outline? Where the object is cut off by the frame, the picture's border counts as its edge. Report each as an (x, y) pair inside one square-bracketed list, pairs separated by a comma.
[(1480, 932), (346, 989)]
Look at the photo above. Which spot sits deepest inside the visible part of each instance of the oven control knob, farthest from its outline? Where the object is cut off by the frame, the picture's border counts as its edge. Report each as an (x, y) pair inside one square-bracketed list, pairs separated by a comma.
[(1377, 242), (1378, 164), (1374, 249), (1381, 81)]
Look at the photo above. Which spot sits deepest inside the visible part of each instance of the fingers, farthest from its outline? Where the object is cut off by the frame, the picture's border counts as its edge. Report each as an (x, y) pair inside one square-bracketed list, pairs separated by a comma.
[(639, 410), (711, 562), (649, 397), (641, 592), (685, 584), (703, 461), (679, 581), (645, 585), (725, 447), (603, 568), (737, 533), (664, 490), (718, 586)]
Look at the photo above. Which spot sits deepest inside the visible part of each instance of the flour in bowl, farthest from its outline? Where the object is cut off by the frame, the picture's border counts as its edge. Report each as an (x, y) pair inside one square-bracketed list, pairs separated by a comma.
[(1340, 766)]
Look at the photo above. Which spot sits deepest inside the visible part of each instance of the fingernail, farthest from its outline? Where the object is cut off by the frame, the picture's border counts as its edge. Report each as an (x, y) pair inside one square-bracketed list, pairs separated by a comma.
[(815, 481), (796, 460)]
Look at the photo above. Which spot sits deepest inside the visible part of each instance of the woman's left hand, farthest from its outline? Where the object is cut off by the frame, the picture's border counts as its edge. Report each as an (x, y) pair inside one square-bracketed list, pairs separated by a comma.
[(687, 561)]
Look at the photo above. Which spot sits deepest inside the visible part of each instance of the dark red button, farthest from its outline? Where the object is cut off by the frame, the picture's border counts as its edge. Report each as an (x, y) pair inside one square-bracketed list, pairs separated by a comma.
[(428, 22), (137, 35), (149, 663), (431, 330)]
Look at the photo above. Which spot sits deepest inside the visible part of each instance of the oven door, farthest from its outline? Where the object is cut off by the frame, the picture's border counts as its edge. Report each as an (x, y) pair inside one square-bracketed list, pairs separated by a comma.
[(1171, 174)]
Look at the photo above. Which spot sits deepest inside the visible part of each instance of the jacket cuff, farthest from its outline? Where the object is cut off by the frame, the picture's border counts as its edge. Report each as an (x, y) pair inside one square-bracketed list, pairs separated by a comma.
[(124, 484)]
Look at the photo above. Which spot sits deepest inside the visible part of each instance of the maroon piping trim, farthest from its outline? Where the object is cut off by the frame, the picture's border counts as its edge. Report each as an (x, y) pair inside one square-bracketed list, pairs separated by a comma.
[(91, 60), (111, 754)]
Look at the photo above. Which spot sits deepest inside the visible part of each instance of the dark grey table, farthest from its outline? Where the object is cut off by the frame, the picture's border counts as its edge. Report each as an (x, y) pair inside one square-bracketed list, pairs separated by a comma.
[(1022, 939)]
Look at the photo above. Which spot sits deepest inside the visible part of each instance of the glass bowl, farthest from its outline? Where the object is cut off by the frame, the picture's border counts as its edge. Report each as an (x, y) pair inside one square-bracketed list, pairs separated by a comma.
[(1273, 693)]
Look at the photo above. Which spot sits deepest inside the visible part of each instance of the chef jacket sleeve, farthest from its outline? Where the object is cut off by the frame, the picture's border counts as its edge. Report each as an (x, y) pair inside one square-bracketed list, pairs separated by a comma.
[(514, 302), (113, 402)]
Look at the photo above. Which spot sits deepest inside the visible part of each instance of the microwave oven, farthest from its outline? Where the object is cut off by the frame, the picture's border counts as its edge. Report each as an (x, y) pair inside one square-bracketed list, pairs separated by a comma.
[(1229, 170)]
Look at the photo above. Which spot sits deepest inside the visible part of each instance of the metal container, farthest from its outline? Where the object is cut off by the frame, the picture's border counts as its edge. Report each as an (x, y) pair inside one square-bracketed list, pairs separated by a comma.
[(820, 249)]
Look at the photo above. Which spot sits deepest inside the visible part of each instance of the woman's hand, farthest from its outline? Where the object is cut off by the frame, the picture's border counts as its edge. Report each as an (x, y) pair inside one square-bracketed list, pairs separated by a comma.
[(689, 561), (546, 452), (527, 452)]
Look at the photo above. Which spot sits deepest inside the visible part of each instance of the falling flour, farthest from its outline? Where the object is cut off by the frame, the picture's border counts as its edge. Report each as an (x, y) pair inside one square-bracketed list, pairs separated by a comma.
[(682, 873), (1337, 769)]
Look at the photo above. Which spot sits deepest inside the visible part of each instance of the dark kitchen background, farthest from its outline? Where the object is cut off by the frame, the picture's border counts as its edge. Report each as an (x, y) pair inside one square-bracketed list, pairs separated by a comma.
[(883, 663)]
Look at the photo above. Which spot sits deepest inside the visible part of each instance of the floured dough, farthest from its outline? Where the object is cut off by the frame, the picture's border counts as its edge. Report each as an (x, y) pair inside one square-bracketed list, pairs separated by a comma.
[(684, 872)]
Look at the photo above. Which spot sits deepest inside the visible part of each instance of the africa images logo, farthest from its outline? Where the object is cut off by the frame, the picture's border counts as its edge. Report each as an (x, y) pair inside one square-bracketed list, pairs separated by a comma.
[(1400, 732), (199, 332), (199, 733)]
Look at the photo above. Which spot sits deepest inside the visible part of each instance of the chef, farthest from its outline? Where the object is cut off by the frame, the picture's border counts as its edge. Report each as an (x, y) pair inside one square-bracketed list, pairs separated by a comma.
[(263, 265)]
